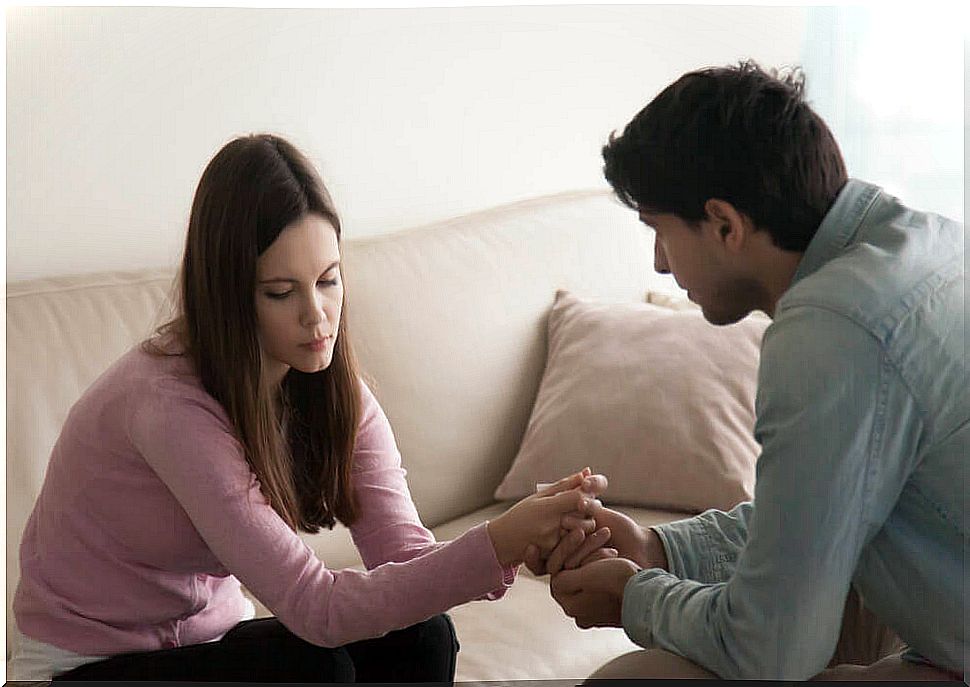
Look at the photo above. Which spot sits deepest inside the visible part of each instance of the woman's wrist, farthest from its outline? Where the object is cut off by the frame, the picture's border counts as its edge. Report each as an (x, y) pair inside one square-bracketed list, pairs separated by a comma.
[(501, 538)]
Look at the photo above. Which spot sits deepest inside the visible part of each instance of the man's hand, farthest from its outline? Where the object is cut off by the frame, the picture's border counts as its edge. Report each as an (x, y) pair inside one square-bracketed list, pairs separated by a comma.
[(639, 544), (593, 593)]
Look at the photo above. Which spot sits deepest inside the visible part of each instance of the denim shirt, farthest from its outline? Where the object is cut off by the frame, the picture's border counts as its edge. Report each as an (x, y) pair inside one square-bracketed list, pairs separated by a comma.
[(863, 417)]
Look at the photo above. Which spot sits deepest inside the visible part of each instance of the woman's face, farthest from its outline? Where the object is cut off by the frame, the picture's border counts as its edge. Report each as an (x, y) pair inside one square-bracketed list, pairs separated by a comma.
[(299, 296)]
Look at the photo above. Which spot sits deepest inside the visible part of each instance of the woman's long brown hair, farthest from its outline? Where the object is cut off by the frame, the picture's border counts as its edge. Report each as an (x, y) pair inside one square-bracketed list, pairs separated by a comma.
[(251, 190)]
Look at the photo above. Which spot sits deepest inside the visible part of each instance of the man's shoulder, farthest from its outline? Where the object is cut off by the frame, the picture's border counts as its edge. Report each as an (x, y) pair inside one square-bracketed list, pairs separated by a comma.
[(896, 261)]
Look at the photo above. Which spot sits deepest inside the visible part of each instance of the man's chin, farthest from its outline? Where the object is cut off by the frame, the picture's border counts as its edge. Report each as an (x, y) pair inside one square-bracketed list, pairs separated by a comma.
[(721, 319)]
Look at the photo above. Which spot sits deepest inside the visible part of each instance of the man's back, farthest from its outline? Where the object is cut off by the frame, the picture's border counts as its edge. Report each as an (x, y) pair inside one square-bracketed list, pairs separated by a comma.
[(899, 276)]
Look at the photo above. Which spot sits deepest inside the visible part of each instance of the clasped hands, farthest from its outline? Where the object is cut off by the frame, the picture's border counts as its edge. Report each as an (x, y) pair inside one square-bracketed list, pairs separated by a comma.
[(591, 551)]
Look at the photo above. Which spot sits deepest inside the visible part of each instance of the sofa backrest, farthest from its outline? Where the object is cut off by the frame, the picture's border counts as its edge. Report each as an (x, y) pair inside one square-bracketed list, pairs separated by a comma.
[(448, 321)]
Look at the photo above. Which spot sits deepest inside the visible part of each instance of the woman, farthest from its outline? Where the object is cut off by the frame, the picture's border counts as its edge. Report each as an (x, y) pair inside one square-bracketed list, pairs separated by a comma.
[(189, 466)]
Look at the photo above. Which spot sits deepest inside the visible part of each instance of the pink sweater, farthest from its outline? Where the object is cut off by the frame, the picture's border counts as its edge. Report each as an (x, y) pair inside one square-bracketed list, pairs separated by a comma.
[(150, 517)]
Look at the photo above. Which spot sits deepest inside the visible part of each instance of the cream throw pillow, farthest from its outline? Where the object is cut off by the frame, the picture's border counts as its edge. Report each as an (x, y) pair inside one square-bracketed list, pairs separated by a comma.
[(654, 397)]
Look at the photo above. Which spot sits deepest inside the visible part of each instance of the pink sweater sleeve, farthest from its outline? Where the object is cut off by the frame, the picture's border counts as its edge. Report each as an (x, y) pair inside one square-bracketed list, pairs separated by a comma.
[(388, 527), (185, 438)]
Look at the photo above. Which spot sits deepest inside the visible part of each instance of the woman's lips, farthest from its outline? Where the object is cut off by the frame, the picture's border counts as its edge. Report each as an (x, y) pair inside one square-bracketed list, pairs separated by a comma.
[(316, 345)]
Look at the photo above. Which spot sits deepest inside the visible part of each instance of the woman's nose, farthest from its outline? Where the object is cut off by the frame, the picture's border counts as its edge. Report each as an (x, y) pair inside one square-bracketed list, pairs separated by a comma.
[(314, 313)]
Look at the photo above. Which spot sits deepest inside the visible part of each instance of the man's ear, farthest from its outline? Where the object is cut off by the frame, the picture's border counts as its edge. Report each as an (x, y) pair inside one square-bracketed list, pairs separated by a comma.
[(731, 226)]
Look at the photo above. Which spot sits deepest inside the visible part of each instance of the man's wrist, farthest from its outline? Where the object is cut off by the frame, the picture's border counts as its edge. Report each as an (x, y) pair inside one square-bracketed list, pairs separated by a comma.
[(654, 553), (624, 576)]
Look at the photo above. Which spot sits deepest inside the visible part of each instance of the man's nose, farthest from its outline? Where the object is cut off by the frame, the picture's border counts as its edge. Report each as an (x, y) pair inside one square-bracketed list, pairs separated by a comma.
[(660, 258)]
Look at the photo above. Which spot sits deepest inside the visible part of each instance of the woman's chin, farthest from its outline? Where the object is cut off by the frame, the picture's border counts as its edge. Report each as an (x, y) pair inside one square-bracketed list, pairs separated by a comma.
[(311, 366)]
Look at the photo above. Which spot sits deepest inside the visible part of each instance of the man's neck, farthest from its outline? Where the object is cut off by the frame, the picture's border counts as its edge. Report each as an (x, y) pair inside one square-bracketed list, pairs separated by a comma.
[(776, 276)]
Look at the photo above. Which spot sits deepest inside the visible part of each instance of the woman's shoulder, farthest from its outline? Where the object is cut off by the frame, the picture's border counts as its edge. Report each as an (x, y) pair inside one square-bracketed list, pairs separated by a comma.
[(136, 372), (157, 380), (140, 392), (146, 368)]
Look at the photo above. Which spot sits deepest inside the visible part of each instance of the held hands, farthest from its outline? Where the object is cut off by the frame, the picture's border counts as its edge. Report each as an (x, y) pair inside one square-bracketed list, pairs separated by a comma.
[(624, 537), (563, 530), (537, 520), (589, 585)]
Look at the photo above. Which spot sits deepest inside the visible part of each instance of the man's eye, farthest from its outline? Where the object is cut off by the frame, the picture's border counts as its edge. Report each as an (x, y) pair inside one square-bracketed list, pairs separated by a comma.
[(278, 295), (327, 282)]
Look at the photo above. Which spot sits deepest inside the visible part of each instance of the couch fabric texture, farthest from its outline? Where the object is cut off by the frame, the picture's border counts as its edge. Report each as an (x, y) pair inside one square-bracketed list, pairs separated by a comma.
[(450, 325)]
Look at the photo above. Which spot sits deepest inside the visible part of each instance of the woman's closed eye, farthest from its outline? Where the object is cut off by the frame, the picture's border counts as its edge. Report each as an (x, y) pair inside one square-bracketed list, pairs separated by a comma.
[(280, 295)]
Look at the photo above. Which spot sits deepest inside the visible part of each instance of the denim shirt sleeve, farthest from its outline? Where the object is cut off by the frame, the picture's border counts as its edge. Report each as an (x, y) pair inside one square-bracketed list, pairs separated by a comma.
[(821, 426), (706, 547)]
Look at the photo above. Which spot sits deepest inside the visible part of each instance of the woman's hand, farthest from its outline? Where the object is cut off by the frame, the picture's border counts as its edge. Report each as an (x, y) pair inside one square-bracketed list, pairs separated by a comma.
[(594, 485), (537, 519)]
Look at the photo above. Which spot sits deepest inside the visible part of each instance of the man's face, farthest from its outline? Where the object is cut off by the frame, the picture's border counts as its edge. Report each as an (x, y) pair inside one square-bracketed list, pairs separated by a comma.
[(696, 256)]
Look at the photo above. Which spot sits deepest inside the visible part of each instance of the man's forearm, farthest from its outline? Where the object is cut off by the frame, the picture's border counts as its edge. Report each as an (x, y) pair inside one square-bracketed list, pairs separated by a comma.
[(705, 547)]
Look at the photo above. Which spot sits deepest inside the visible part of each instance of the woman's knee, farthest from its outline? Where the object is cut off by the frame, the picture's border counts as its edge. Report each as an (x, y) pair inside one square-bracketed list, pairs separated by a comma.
[(266, 650), (433, 635), (425, 652), (435, 640), (439, 631)]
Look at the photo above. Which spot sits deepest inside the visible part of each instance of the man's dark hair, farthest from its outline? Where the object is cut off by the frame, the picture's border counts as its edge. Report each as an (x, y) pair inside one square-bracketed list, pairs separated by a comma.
[(739, 134)]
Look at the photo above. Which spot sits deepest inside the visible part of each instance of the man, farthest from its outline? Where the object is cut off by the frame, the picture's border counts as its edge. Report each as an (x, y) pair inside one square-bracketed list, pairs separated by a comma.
[(863, 404)]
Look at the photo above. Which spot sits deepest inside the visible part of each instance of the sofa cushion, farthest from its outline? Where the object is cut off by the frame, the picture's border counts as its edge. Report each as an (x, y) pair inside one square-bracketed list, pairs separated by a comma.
[(655, 398)]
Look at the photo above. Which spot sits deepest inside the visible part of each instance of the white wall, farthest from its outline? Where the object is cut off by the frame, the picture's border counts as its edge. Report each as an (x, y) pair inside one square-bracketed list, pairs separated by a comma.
[(897, 112), (411, 114)]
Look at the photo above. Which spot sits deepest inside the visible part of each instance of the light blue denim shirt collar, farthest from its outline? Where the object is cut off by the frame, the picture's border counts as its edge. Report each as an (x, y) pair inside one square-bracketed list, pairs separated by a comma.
[(838, 227)]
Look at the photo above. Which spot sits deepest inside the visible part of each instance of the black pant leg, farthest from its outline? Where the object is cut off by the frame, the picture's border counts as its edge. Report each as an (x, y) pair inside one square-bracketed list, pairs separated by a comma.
[(264, 650), (260, 650), (425, 652)]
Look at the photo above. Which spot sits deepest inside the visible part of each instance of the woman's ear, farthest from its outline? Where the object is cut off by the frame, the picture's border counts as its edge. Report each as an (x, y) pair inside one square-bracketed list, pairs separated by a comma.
[(731, 226)]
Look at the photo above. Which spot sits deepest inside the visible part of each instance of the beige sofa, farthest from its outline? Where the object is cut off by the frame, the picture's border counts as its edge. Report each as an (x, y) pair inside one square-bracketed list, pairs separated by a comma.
[(449, 324)]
